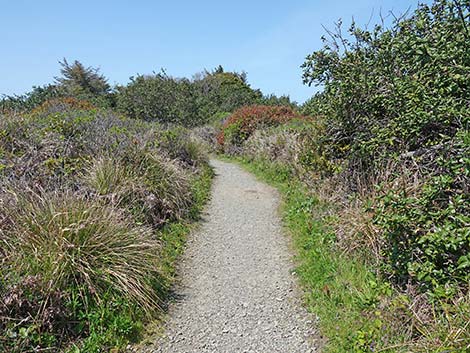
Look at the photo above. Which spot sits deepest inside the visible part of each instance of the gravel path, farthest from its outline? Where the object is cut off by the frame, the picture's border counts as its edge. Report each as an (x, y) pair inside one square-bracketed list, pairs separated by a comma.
[(238, 292)]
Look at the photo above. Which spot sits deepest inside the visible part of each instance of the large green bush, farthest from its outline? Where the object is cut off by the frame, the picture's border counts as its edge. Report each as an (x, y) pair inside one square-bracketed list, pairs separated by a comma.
[(398, 89), (219, 91), (427, 224), (166, 99), (401, 96), (159, 98)]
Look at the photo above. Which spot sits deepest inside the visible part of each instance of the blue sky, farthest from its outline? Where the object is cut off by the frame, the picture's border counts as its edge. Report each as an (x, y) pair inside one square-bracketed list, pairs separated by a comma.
[(267, 39)]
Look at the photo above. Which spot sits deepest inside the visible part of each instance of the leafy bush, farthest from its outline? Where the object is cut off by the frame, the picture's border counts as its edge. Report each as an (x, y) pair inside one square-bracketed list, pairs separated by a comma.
[(244, 121), (166, 99), (426, 224), (402, 94), (219, 91), (159, 98), (396, 90)]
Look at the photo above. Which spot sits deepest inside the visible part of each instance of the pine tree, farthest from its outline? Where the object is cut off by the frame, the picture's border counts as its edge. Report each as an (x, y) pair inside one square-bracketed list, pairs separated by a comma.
[(80, 80)]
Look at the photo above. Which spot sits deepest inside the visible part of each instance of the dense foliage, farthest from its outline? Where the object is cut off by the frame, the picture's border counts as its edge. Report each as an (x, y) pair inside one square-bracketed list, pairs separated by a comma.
[(397, 89), (388, 149), (403, 94), (159, 98), (221, 91), (76, 82), (167, 99), (86, 197), (244, 121), (29, 101)]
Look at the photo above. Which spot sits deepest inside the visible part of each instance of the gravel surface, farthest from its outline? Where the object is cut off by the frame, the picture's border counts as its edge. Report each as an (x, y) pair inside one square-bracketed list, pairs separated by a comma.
[(237, 290)]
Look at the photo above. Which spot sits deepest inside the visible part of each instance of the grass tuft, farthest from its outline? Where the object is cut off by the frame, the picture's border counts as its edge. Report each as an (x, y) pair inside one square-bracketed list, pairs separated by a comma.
[(70, 240)]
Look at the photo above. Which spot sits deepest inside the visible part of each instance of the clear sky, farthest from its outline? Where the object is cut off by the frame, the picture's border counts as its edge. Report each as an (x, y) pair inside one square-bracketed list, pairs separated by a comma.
[(267, 39)]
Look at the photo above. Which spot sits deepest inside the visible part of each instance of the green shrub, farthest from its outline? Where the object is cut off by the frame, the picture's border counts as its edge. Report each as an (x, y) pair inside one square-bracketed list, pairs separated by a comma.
[(219, 91), (159, 98), (400, 96), (426, 225), (390, 91)]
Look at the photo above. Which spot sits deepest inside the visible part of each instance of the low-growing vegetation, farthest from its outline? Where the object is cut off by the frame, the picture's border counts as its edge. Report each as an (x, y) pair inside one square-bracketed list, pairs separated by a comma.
[(89, 204)]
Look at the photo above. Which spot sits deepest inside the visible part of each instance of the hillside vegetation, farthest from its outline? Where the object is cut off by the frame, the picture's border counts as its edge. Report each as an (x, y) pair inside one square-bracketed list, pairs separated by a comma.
[(385, 158), (99, 185), (86, 199)]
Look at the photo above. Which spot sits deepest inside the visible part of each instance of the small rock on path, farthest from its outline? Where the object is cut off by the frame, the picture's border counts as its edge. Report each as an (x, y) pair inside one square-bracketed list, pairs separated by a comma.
[(238, 291)]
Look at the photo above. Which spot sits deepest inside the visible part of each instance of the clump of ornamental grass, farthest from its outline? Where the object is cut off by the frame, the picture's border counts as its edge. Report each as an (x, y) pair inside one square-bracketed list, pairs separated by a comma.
[(155, 189), (77, 245), (168, 183), (195, 152), (107, 176), (206, 137)]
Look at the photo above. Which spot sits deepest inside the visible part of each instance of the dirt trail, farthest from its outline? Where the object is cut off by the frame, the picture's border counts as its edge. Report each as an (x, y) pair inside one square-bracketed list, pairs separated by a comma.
[(238, 292)]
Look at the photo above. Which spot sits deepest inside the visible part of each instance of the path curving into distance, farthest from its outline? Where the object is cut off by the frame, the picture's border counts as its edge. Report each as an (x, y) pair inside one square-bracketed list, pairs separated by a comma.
[(238, 291)]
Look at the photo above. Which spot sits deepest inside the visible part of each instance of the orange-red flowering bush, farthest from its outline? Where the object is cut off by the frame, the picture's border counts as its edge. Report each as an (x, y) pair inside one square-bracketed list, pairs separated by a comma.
[(244, 121), (62, 104)]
